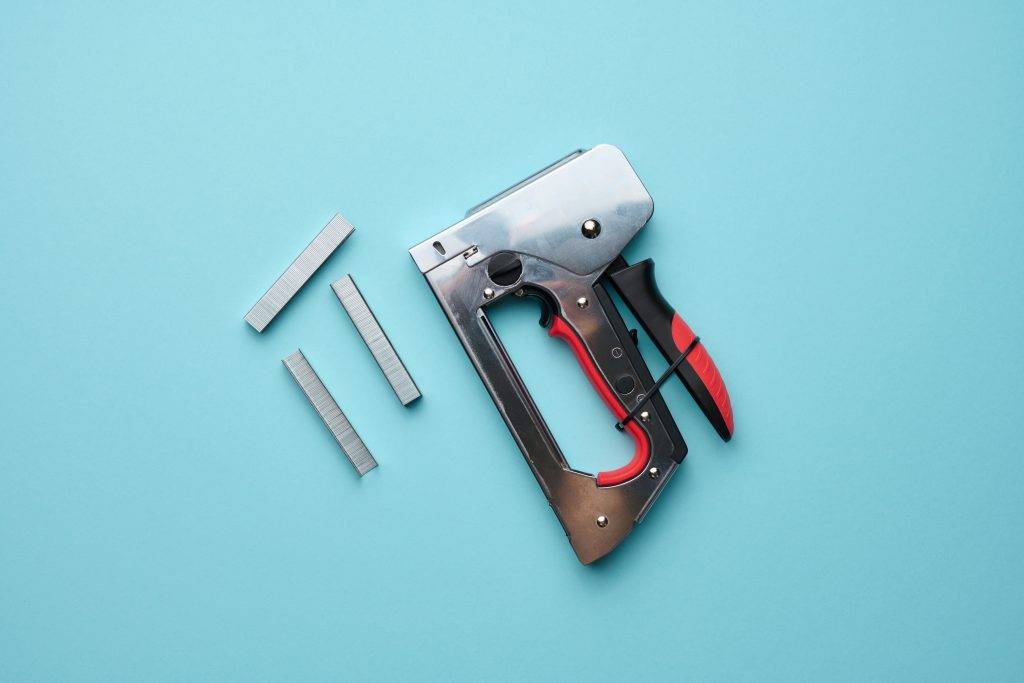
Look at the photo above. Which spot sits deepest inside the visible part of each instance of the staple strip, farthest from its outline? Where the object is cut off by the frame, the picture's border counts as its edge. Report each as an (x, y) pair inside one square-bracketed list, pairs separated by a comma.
[(328, 410), (299, 272), (370, 330)]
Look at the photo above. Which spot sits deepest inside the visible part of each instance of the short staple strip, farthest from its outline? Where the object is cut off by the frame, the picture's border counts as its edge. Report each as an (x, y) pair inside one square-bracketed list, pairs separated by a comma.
[(299, 272), (370, 330), (329, 411)]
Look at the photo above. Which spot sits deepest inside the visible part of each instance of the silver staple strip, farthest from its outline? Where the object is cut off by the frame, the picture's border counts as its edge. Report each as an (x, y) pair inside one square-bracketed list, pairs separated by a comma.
[(328, 410), (370, 330), (299, 272)]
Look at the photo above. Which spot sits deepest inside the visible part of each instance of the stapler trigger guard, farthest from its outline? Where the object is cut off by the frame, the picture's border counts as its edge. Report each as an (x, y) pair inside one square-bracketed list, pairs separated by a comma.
[(561, 330)]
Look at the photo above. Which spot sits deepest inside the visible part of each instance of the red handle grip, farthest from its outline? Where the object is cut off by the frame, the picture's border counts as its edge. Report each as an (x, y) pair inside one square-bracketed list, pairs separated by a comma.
[(700, 363), (561, 330)]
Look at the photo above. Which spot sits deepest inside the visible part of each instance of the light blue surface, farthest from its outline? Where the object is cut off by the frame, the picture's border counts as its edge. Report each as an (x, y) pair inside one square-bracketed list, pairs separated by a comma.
[(840, 215)]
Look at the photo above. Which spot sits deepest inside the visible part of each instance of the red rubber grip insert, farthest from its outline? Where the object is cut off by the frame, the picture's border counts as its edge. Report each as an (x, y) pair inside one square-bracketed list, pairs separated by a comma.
[(706, 370), (561, 330)]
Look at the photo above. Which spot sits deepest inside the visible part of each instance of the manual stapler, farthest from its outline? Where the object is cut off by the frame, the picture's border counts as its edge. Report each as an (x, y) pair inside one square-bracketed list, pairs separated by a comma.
[(558, 236)]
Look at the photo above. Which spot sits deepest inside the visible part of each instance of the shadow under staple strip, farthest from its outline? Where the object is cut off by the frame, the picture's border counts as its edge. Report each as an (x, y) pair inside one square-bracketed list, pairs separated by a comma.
[(299, 272), (329, 411)]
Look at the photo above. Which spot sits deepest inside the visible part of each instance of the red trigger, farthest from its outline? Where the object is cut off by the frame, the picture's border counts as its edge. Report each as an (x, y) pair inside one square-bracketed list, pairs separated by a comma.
[(561, 330)]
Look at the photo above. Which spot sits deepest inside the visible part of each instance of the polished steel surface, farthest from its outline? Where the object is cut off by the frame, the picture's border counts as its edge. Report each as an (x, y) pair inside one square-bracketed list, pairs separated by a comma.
[(298, 273), (525, 181), (543, 217), (373, 335), (329, 411), (540, 222)]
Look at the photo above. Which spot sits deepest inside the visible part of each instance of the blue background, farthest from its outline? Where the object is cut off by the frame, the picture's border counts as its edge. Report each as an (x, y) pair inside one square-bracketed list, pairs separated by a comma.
[(840, 215)]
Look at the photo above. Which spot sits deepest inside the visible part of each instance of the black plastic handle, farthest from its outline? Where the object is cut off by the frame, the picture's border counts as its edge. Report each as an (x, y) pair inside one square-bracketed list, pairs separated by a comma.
[(671, 334)]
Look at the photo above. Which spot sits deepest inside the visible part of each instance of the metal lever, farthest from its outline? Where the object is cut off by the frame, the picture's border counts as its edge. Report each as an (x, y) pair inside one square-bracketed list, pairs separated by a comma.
[(620, 425)]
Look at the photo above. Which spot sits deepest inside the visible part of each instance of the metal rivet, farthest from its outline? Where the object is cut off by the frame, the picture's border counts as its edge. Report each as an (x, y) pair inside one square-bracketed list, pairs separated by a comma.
[(645, 416), (582, 302), (616, 352), (488, 293), (591, 228), (654, 472), (602, 521)]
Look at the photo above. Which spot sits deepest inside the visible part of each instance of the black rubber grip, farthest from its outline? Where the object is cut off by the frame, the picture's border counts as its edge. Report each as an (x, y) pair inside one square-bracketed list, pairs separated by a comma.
[(671, 334)]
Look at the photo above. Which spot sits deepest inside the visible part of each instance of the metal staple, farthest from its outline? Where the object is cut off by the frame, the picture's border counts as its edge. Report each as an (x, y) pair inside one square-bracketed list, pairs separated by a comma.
[(329, 411), (372, 333), (299, 272)]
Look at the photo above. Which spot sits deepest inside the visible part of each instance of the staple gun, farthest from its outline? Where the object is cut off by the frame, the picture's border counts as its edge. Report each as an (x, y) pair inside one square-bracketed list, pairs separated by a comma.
[(557, 237)]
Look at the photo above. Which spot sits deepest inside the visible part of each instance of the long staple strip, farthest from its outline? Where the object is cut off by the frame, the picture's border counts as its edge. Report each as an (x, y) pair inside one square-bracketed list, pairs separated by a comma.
[(299, 272), (329, 411), (378, 343)]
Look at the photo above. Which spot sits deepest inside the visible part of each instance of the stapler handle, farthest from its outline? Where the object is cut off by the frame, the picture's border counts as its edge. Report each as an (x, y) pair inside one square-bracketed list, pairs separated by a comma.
[(671, 334), (562, 330)]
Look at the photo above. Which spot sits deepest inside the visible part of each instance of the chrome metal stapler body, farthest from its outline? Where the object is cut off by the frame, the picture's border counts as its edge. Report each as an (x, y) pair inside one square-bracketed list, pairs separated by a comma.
[(557, 237)]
